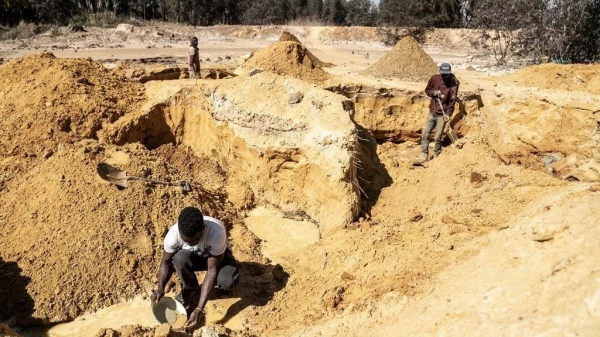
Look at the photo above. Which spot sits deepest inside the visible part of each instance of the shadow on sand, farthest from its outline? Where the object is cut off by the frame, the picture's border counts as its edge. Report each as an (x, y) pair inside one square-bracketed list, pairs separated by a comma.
[(258, 284)]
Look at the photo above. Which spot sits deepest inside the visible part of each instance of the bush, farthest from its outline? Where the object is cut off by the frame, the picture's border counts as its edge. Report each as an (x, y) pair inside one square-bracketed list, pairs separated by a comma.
[(23, 30)]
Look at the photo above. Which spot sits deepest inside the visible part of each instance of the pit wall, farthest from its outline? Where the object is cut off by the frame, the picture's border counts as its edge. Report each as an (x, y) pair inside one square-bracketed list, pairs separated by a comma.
[(399, 115), (544, 131), (295, 157)]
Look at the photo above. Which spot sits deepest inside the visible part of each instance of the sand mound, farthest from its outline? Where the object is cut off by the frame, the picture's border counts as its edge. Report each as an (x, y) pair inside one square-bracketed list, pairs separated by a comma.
[(285, 58), (568, 77), (406, 61), (47, 101), (289, 37)]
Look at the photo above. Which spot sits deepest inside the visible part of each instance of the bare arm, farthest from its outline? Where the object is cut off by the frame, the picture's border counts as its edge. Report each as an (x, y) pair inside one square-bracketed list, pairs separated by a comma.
[(208, 286), (191, 61), (210, 280), (165, 271)]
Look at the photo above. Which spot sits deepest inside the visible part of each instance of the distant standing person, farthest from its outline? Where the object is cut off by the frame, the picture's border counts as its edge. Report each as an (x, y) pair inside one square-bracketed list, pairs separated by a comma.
[(445, 87), (194, 58), (196, 242)]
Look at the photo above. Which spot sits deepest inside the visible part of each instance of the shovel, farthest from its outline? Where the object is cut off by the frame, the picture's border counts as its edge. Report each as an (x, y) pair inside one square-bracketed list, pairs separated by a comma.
[(451, 133), (120, 178)]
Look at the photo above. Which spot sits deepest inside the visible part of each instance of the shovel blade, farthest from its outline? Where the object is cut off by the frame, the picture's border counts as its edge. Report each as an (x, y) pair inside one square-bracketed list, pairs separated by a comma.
[(453, 136), (112, 174)]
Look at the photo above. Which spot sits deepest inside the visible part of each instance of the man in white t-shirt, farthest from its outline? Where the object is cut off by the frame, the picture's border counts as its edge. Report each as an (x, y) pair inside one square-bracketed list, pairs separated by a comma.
[(196, 242)]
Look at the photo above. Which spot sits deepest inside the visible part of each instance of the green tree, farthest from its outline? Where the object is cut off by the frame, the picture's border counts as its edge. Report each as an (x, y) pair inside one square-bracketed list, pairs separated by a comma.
[(314, 9), (334, 12), (420, 13), (358, 13)]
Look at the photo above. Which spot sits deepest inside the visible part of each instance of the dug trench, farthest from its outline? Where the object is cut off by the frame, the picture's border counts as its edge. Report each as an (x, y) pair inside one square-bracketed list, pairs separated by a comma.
[(359, 224)]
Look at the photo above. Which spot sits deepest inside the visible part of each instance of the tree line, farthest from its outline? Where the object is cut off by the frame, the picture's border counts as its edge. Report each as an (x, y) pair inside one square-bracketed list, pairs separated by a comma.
[(562, 30)]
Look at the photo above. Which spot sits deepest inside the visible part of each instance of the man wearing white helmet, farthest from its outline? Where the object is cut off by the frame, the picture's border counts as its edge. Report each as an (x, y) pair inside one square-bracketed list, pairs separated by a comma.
[(442, 86)]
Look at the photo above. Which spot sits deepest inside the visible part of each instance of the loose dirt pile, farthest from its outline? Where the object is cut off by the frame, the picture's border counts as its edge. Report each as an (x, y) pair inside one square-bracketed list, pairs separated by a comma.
[(289, 37), (48, 101), (406, 61), (287, 58), (570, 77)]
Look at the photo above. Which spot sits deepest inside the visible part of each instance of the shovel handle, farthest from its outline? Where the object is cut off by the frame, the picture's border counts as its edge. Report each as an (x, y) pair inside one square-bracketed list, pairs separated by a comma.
[(152, 181)]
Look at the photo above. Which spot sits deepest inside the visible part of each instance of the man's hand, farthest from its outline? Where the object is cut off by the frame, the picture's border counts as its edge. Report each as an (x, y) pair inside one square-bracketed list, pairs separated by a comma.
[(197, 319), (156, 296), (437, 93)]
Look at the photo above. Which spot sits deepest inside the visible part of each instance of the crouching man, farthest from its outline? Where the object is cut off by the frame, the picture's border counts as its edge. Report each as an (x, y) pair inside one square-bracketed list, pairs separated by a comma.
[(196, 242)]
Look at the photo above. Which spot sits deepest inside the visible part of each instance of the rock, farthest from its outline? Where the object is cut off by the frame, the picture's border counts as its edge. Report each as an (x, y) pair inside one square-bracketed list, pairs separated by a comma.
[(347, 277), (477, 177), (205, 331), (295, 97), (163, 330), (48, 153), (470, 68), (333, 297), (77, 29), (595, 188), (124, 27), (254, 72), (476, 210), (416, 216), (545, 230), (448, 220)]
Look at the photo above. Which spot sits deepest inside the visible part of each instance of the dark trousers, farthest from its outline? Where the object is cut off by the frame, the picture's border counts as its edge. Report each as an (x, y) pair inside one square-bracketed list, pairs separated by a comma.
[(186, 263)]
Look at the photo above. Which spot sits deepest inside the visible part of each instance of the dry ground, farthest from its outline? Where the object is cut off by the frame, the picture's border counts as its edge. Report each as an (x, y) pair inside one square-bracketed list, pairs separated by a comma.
[(482, 241)]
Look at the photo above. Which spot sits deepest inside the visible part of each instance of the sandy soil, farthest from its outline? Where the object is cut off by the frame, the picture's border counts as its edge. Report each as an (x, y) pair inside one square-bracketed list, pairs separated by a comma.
[(486, 239)]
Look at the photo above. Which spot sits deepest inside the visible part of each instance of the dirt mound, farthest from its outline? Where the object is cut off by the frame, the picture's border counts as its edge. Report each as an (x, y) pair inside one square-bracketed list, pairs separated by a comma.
[(406, 61), (47, 101), (568, 77), (289, 37), (286, 58)]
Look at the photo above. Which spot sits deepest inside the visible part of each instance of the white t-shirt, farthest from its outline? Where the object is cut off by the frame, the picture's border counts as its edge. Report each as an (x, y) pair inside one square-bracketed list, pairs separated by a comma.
[(213, 242)]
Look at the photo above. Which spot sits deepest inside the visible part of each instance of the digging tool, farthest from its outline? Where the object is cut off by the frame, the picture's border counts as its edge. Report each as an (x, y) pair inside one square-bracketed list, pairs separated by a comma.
[(120, 178), (450, 132)]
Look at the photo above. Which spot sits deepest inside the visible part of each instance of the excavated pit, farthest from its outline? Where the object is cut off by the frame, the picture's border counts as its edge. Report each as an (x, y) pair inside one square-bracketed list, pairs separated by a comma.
[(296, 158), (398, 115)]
